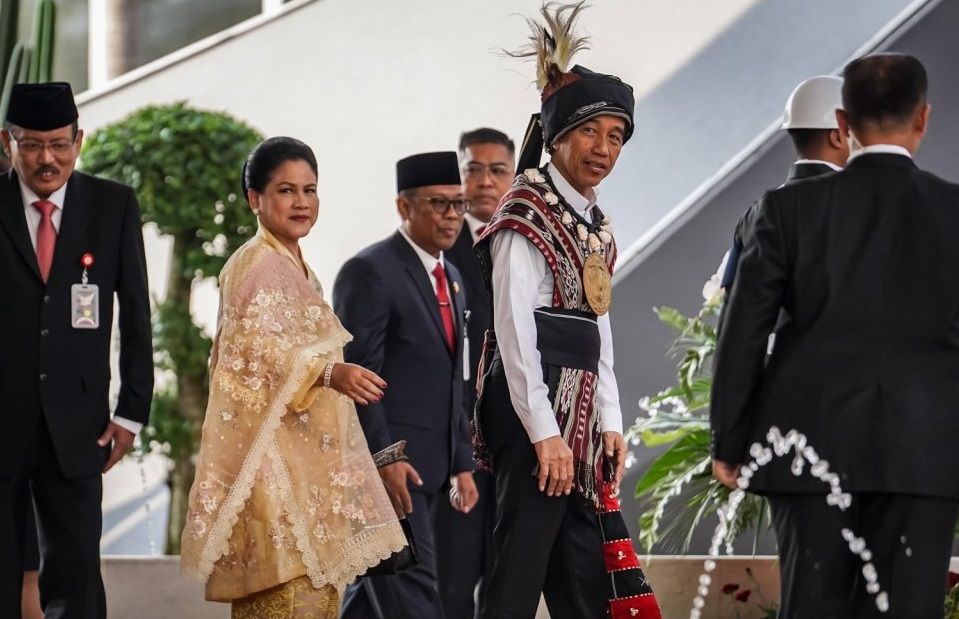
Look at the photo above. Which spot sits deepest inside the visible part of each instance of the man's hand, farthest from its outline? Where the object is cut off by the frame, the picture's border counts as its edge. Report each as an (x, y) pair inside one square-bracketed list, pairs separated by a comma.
[(357, 383), (396, 477), (726, 473), (614, 445), (122, 442), (555, 466), (463, 492)]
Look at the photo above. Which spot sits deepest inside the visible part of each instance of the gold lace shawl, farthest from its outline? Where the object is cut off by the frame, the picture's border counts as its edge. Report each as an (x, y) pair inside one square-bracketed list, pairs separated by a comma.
[(285, 484)]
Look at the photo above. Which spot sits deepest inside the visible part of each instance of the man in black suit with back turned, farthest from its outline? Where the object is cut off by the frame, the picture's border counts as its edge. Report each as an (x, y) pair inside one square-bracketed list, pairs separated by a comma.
[(405, 306), (464, 540), (55, 365), (864, 263)]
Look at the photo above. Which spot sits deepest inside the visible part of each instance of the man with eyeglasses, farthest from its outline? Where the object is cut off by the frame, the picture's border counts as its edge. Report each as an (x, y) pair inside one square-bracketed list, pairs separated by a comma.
[(464, 541), (405, 305), (69, 244)]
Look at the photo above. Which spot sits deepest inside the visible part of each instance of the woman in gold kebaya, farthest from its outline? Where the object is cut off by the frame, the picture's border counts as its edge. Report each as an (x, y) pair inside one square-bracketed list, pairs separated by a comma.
[(287, 506)]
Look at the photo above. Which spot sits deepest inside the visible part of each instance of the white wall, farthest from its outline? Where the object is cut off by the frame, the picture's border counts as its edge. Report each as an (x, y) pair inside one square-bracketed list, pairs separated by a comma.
[(368, 82)]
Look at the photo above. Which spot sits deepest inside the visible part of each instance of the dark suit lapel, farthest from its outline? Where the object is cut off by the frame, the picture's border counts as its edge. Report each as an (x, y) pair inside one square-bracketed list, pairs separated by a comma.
[(421, 282), (76, 217), (14, 221)]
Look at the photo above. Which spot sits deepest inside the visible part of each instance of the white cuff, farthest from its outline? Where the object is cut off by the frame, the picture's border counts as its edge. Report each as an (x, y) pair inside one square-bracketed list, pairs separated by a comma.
[(126, 424), (611, 423), (541, 427)]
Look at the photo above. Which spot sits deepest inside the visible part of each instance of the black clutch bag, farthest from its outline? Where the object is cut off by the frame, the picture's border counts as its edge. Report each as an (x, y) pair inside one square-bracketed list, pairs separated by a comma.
[(404, 559), (399, 561)]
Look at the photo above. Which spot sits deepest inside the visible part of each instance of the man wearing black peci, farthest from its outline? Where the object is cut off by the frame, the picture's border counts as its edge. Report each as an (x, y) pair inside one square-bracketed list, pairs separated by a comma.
[(69, 243), (863, 262), (405, 305)]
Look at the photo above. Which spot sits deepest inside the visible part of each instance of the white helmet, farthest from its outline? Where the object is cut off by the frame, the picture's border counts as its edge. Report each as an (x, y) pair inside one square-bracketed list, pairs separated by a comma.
[(813, 104)]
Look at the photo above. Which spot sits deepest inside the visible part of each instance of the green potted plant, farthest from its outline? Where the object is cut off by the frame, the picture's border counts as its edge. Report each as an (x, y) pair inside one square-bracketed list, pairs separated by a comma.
[(184, 165)]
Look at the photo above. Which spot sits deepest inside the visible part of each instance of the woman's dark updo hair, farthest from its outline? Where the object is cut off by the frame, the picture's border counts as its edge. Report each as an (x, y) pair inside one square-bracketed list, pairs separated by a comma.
[(270, 154)]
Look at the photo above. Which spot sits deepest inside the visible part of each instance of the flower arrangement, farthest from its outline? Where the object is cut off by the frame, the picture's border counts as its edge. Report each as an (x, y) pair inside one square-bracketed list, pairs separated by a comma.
[(951, 609), (679, 482)]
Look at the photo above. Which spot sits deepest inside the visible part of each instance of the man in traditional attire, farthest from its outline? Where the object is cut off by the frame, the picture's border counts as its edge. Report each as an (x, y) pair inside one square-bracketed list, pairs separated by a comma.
[(464, 540), (69, 243), (405, 305), (548, 419), (865, 371)]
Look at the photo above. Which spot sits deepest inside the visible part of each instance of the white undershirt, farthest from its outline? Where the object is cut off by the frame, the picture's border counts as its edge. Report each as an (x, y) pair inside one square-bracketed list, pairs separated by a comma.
[(429, 262), (829, 164), (522, 282), (33, 215), (33, 224), (474, 225), (891, 149)]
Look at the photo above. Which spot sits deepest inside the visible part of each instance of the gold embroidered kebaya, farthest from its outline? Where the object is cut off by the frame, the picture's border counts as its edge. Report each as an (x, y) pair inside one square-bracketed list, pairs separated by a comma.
[(285, 485)]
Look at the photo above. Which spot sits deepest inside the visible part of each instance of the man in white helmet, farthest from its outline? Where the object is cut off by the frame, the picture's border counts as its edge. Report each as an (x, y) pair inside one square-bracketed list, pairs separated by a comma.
[(821, 148)]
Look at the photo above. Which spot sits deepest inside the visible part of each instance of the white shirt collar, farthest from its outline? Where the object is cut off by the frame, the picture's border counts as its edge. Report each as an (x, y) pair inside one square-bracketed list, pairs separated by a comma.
[(429, 262), (580, 203), (820, 162), (891, 149), (474, 225), (29, 196)]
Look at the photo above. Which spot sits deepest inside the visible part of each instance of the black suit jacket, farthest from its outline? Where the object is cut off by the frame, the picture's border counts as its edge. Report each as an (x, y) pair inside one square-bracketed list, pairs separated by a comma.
[(797, 172), (480, 304), (49, 368), (864, 261), (384, 297)]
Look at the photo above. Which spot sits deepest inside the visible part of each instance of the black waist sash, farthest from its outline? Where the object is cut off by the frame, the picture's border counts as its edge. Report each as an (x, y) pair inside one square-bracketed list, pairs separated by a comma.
[(567, 338)]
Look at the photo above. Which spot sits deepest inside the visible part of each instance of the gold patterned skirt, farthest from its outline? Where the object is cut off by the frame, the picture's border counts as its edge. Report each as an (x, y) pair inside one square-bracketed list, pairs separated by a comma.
[(297, 599)]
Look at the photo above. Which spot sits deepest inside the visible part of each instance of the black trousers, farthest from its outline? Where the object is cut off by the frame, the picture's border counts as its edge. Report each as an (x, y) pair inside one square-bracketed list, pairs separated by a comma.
[(414, 593), (464, 548), (70, 524), (552, 545), (910, 538)]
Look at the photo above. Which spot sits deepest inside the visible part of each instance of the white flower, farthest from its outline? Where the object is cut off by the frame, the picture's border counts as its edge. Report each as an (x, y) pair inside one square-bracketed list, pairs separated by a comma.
[(581, 232), (551, 198), (262, 299), (593, 242), (712, 290), (605, 237), (567, 218), (534, 176), (314, 312)]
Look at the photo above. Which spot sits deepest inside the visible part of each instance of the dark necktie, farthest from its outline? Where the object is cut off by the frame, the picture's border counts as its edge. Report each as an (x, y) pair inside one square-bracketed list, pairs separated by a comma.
[(46, 237), (446, 310)]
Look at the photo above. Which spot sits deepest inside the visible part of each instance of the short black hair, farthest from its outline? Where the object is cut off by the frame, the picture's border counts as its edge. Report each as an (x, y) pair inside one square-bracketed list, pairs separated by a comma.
[(486, 135), (808, 140), (270, 154), (883, 89)]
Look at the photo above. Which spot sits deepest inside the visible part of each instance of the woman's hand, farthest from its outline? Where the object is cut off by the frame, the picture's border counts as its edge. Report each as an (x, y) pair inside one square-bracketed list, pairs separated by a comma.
[(357, 383)]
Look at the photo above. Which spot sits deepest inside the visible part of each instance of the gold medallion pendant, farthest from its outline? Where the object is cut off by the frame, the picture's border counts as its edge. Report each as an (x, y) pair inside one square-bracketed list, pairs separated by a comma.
[(597, 284)]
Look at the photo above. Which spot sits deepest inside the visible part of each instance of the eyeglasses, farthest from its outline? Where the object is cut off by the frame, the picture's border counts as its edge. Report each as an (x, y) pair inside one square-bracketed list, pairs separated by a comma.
[(496, 170), (441, 204), (33, 147)]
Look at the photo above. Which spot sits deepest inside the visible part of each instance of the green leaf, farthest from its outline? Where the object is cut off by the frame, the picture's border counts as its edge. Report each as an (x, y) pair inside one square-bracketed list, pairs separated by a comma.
[(690, 448)]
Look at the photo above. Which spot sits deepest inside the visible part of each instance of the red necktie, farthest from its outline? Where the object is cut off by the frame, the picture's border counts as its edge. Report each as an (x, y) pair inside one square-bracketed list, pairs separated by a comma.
[(446, 310), (46, 237)]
